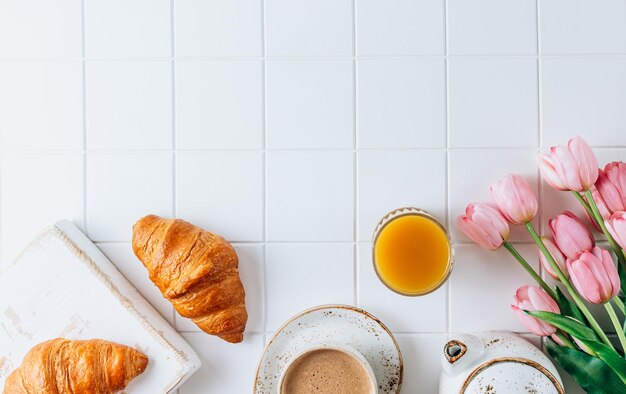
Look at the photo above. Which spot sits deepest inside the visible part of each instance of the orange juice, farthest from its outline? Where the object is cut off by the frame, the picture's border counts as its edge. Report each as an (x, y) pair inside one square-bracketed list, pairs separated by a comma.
[(412, 253)]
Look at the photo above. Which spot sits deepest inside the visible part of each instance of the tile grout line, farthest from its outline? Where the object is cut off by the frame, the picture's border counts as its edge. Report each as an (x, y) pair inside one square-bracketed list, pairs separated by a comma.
[(539, 133), (3, 263), (249, 243), (84, 110), (173, 125), (447, 157), (539, 79), (539, 120), (230, 150), (313, 58), (264, 164), (395, 333), (355, 171)]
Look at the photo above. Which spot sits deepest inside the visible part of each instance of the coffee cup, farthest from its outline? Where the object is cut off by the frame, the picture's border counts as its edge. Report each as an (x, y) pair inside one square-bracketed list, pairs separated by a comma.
[(325, 365)]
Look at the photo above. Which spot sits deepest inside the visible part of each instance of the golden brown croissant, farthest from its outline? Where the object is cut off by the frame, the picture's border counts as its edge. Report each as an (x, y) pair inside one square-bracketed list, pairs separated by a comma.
[(61, 366), (195, 270)]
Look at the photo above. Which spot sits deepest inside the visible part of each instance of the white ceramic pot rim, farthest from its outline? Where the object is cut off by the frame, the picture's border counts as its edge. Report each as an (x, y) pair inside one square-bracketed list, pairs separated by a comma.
[(332, 346)]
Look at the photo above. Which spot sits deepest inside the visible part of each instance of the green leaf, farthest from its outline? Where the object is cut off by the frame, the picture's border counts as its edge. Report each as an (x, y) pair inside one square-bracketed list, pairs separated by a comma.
[(565, 323), (591, 373), (569, 307), (609, 356)]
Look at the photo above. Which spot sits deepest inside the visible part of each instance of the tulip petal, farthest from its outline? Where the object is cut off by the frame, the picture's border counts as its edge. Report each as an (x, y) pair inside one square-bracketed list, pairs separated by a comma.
[(502, 202), (532, 298), (541, 301), (566, 167), (525, 196), (617, 175), (532, 324), (476, 234), (489, 231), (490, 219), (552, 225), (597, 252), (616, 225), (611, 271), (585, 160), (570, 234), (620, 230), (548, 172), (600, 275), (614, 175), (608, 193), (521, 294), (515, 199), (584, 281)]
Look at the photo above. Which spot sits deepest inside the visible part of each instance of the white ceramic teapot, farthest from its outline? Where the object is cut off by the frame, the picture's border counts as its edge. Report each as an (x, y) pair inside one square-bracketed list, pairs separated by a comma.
[(496, 362)]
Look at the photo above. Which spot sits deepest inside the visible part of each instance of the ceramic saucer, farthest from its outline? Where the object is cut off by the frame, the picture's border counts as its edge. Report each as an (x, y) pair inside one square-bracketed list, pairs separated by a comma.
[(340, 324)]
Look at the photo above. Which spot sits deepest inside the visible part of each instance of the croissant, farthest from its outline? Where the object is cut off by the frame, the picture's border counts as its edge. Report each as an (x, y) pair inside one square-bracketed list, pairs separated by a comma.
[(196, 271), (62, 366)]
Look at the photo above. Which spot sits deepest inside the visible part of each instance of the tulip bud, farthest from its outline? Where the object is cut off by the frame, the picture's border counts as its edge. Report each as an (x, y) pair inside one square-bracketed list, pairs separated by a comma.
[(594, 275), (533, 298), (574, 167), (616, 225), (484, 225), (611, 187), (570, 234), (584, 347), (556, 254), (515, 199)]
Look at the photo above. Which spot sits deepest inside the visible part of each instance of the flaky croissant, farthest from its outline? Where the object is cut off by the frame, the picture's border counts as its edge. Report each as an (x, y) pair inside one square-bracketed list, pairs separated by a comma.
[(195, 270), (62, 366)]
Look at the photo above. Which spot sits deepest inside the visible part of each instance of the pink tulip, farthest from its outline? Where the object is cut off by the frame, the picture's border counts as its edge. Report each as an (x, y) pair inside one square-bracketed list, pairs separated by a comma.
[(617, 227), (515, 199), (570, 234), (574, 167), (484, 225), (557, 255), (611, 186), (594, 275), (533, 298)]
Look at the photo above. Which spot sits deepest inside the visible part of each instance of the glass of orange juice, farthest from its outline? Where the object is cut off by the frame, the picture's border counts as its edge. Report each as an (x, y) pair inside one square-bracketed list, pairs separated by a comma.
[(411, 252)]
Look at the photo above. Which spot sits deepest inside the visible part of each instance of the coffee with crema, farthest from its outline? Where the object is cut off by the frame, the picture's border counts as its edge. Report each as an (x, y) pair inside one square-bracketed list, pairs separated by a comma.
[(326, 371)]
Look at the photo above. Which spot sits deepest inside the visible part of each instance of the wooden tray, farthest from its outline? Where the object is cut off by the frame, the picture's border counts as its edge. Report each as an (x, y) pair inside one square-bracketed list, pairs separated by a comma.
[(62, 285)]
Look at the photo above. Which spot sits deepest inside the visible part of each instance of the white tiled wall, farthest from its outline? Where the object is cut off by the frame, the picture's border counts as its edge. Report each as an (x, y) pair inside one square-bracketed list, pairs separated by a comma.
[(290, 127)]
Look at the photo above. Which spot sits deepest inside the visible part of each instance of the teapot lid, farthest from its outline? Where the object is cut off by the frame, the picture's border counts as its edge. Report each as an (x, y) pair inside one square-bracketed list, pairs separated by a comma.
[(511, 375)]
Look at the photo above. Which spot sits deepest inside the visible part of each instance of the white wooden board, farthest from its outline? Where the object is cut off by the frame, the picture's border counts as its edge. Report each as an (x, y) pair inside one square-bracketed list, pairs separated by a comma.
[(62, 285)]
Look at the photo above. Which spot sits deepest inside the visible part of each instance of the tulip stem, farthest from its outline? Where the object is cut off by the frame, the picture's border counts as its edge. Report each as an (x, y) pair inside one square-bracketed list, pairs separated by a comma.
[(563, 337), (584, 203), (530, 270), (575, 296), (619, 304), (598, 217), (616, 324)]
